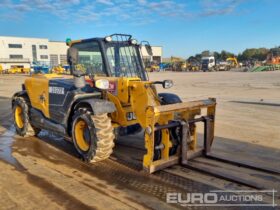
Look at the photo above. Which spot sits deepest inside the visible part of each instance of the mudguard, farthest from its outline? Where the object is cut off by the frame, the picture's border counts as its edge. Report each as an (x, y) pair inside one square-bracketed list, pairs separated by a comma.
[(19, 93), (98, 106), (169, 98)]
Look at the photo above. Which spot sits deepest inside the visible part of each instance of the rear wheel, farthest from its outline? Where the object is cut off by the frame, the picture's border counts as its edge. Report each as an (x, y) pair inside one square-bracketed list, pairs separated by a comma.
[(93, 136), (21, 118)]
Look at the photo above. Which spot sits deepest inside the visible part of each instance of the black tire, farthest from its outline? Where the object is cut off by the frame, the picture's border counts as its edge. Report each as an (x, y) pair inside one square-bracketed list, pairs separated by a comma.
[(96, 141), (21, 118), (175, 134), (175, 139), (157, 142), (129, 130), (168, 98)]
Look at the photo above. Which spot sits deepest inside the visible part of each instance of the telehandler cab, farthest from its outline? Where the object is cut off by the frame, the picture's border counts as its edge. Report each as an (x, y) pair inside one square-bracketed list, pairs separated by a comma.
[(110, 91)]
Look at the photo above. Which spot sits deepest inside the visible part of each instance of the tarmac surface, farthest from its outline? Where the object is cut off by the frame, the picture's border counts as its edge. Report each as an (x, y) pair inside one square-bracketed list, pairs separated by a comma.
[(46, 173)]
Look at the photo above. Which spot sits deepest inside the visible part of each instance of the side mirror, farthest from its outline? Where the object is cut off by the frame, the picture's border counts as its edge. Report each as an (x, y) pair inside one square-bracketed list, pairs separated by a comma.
[(167, 84), (72, 56), (149, 50), (147, 47)]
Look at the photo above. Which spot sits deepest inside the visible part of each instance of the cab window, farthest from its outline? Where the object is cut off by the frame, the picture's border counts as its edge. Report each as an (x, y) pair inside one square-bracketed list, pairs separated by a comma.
[(90, 58)]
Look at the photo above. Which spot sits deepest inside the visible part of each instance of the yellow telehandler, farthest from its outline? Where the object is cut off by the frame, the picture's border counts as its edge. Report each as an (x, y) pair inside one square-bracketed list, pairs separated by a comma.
[(109, 91)]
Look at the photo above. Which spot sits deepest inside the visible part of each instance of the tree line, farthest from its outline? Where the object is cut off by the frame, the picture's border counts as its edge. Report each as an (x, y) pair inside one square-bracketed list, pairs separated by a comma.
[(256, 54)]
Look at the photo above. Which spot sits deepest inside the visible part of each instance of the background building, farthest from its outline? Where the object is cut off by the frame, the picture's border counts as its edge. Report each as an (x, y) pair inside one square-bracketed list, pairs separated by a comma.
[(156, 57), (25, 52), (58, 53)]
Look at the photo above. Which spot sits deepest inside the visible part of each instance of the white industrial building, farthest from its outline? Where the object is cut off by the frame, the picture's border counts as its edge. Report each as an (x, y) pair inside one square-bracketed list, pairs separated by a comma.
[(24, 52), (157, 54)]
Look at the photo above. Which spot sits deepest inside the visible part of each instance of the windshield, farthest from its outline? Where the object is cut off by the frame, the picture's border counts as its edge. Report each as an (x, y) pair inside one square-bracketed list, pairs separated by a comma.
[(124, 60), (205, 61)]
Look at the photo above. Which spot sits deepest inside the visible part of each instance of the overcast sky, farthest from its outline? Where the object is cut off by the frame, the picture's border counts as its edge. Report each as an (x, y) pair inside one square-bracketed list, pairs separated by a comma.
[(182, 27)]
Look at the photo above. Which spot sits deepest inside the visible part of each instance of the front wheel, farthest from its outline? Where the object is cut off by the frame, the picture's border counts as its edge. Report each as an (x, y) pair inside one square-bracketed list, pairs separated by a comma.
[(93, 136)]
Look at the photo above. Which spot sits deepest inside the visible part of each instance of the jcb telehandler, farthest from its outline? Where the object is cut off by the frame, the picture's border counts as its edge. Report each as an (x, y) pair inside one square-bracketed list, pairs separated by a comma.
[(108, 92)]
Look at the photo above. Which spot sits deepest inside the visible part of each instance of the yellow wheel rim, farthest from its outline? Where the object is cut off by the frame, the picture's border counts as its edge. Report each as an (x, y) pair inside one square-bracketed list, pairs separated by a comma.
[(80, 130), (18, 117)]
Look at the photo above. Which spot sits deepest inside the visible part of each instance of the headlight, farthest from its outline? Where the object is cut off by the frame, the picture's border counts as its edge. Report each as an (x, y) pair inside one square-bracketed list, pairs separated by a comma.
[(133, 41), (108, 39), (167, 84), (102, 84)]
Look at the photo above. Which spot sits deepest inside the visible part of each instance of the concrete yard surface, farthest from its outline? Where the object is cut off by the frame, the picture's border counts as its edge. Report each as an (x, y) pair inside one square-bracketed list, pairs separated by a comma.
[(248, 104), (45, 172)]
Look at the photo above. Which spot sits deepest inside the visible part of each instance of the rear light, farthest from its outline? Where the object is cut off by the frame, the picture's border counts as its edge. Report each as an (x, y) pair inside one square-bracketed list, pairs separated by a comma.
[(89, 81)]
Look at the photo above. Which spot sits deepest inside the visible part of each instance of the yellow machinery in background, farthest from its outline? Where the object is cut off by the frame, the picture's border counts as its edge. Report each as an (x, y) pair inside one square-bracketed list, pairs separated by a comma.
[(14, 70), (58, 70), (193, 64), (233, 63), (178, 64), (18, 70), (26, 70), (151, 67), (194, 68), (1, 69)]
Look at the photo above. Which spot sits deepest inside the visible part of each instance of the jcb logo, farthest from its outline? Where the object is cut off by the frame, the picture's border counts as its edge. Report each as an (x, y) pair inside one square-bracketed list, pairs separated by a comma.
[(130, 116)]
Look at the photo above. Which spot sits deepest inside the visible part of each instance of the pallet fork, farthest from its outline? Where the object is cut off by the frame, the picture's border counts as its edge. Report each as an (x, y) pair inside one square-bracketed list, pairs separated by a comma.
[(178, 115)]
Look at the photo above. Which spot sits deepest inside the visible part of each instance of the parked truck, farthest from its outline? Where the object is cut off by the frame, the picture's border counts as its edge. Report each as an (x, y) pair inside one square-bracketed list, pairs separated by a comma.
[(208, 63)]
